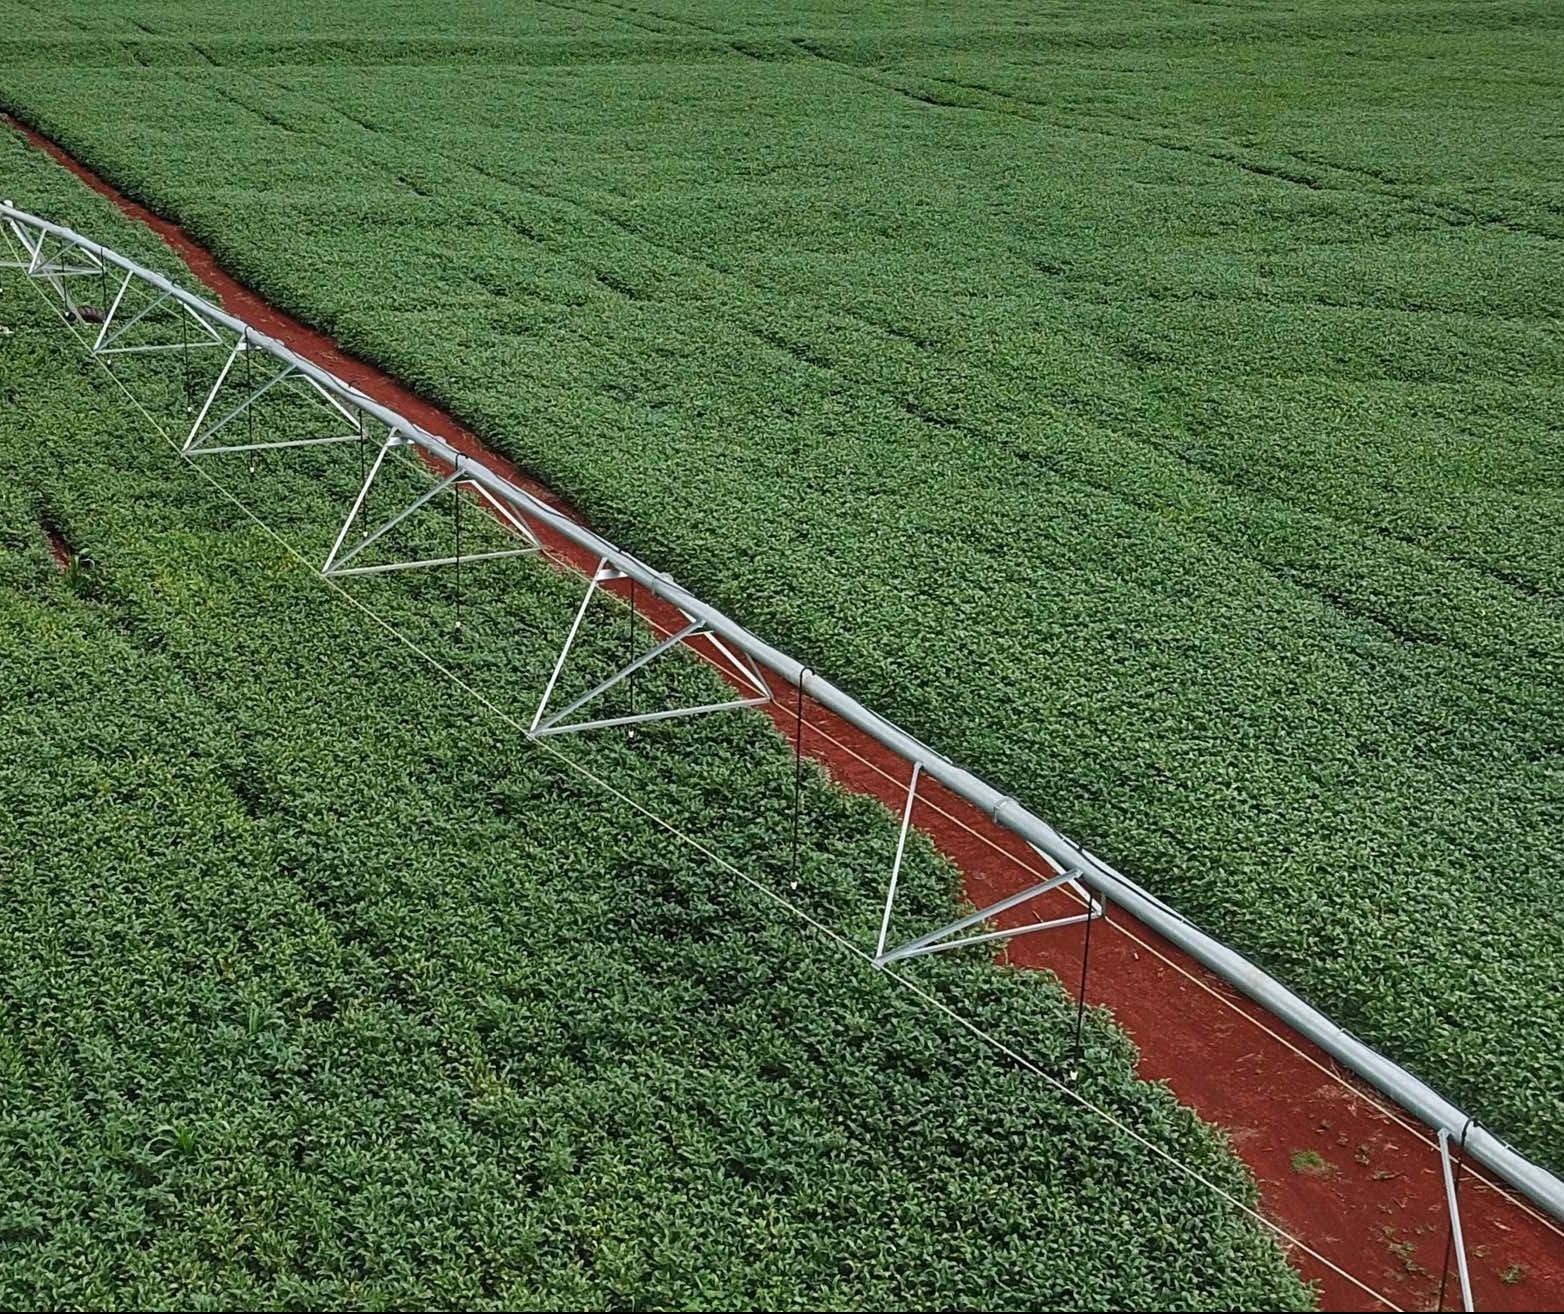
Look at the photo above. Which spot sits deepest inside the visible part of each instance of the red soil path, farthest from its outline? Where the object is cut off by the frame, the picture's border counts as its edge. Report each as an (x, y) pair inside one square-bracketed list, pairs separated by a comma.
[(59, 549), (1352, 1178)]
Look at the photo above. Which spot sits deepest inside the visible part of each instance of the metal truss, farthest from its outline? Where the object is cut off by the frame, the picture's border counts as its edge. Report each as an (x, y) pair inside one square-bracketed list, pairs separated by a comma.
[(950, 936), (199, 440), (739, 664), (71, 257), (55, 257), (1457, 1240), (337, 561), (114, 328)]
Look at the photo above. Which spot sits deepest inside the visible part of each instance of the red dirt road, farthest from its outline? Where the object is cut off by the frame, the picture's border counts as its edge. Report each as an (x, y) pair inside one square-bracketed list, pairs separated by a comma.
[(1355, 1181)]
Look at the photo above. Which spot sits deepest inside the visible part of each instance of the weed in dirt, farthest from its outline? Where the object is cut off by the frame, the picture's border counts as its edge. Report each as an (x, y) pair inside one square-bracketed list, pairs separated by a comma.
[(1310, 1163)]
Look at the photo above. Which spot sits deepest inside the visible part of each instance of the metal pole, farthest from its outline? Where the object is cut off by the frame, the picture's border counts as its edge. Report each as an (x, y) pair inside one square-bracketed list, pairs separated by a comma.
[(113, 310), (359, 502), (1080, 999), (363, 438), (901, 848), (184, 360), (564, 653), (249, 410), (630, 661), (456, 492), (798, 777), (1453, 1238)]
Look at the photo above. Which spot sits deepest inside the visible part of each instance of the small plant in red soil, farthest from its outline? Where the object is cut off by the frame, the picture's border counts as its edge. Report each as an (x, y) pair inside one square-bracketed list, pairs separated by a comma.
[(1402, 1249), (1310, 1163)]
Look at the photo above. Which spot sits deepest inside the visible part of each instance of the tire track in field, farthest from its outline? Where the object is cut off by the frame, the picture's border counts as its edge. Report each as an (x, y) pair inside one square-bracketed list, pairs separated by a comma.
[(712, 268), (868, 77), (1446, 212), (1125, 299), (732, 41), (265, 115), (1372, 622), (588, 11), (89, 32), (985, 439), (689, 23)]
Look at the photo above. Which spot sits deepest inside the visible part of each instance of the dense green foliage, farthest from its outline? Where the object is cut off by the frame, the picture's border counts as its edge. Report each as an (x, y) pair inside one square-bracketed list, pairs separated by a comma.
[(1153, 405), (319, 986)]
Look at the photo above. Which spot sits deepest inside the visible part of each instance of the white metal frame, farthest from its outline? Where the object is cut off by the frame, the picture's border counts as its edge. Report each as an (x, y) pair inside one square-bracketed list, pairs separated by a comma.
[(949, 936), (544, 723), (1457, 1239), (337, 560)]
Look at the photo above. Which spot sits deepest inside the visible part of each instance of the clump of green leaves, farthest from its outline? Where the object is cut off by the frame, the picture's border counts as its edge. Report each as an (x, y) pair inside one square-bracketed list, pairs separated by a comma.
[(1310, 1163), (80, 575)]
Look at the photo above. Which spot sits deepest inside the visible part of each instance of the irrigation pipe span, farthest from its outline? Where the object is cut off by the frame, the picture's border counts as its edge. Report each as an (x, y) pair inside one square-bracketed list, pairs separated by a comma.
[(1407, 1090)]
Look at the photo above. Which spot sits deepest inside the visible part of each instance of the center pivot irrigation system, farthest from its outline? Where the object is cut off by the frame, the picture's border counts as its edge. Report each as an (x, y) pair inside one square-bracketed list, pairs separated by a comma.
[(57, 258)]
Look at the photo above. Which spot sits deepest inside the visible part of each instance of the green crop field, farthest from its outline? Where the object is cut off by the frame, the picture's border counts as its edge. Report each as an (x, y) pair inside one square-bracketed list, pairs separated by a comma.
[(1154, 406), (320, 986)]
